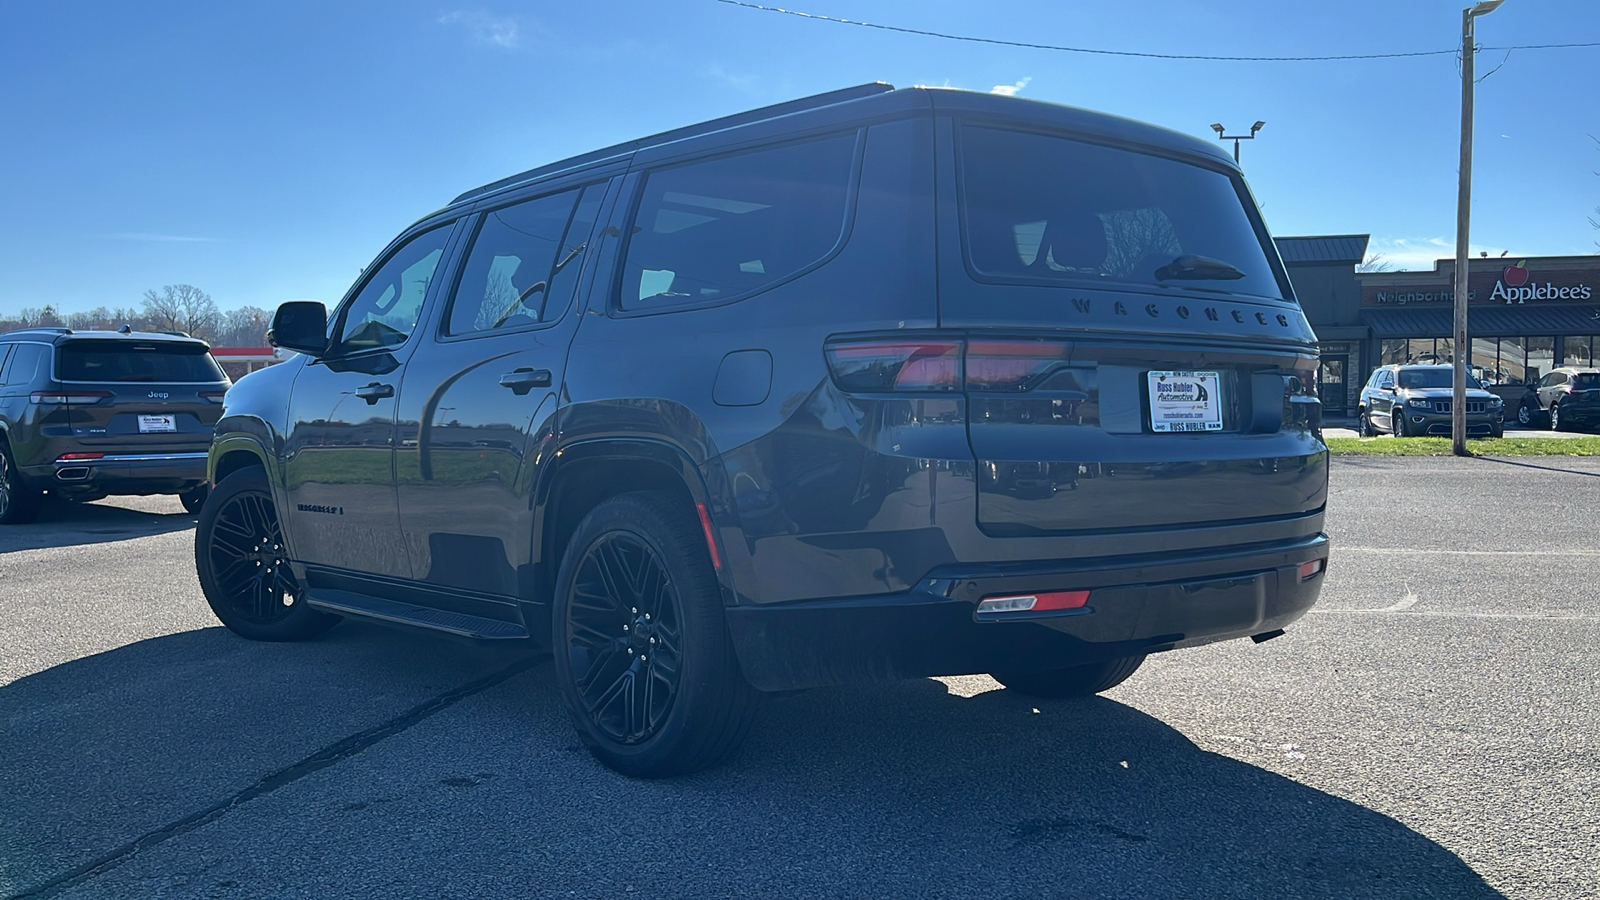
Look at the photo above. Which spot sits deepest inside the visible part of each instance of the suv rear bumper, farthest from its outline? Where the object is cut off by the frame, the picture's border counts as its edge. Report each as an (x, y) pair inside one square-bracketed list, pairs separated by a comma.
[(123, 473), (1136, 605)]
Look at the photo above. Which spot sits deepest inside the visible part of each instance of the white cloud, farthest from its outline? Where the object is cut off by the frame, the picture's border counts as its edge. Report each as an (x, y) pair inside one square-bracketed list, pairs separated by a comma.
[(1420, 254), (141, 236), (1011, 90), (499, 31), (743, 83)]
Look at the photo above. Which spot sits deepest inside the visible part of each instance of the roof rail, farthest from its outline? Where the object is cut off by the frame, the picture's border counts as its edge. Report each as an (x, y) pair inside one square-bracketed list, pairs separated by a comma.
[(815, 101)]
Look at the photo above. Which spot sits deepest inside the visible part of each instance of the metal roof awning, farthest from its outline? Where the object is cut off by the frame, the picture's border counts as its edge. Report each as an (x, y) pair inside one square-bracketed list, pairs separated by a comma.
[(1330, 248), (1484, 321)]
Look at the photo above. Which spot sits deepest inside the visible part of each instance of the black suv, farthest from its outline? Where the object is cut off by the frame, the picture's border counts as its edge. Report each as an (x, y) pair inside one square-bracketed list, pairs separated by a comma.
[(1417, 399), (92, 413), (876, 384), (1565, 398)]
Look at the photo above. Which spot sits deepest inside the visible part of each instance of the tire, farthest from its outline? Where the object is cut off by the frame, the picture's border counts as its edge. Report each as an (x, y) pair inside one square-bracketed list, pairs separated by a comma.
[(1525, 415), (1397, 422), (642, 654), (240, 556), (1497, 430), (1555, 419), (19, 503), (1364, 426), (1075, 681), (194, 498)]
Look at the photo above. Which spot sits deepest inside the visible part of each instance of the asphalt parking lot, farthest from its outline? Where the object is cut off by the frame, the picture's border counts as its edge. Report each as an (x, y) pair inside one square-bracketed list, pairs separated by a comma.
[(1429, 730)]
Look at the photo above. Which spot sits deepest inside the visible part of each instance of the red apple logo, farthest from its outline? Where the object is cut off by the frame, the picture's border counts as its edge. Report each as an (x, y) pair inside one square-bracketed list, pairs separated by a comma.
[(1517, 275)]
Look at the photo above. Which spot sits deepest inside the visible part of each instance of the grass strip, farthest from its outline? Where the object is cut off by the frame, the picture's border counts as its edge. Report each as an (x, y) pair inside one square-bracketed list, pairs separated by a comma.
[(1440, 446)]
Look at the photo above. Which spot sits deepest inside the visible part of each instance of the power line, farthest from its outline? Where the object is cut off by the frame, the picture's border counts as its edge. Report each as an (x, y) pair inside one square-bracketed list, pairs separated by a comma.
[(1184, 56)]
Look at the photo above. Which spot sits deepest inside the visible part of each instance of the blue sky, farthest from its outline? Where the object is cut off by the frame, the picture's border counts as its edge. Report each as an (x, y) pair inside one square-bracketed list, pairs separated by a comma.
[(267, 151)]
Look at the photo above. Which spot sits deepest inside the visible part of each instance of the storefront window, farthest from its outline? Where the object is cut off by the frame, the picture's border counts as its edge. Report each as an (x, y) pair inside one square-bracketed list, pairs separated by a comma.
[(1444, 350), (1420, 350), (1541, 356), (1575, 351), (1392, 353), (1513, 361), (1485, 355)]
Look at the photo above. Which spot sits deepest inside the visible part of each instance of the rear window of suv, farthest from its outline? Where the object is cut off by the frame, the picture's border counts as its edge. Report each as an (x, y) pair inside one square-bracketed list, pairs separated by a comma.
[(136, 361), (1039, 207)]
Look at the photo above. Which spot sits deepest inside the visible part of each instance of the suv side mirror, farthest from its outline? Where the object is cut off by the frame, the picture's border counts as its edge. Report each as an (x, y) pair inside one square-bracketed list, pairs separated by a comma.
[(300, 325)]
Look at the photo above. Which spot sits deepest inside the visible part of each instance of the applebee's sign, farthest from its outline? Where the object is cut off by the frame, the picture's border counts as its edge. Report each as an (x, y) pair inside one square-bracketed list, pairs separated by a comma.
[(1513, 287)]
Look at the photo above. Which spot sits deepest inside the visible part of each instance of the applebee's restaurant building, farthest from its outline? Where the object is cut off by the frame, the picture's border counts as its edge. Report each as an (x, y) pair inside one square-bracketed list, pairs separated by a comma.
[(1525, 315)]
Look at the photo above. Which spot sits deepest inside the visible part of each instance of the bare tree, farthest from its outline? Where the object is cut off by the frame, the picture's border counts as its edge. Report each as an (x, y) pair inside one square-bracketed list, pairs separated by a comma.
[(182, 307), (244, 327), (1374, 263)]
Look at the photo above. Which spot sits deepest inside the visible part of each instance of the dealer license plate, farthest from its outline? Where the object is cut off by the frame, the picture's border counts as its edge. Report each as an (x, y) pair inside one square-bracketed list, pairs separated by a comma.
[(157, 424), (1185, 401)]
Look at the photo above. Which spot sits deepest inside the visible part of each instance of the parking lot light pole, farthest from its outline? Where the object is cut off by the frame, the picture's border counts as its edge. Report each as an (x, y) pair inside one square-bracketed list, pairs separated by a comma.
[(1458, 399), (1236, 138)]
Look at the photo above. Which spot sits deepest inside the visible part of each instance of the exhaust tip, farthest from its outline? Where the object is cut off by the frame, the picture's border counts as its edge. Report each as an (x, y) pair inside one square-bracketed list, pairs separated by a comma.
[(73, 473)]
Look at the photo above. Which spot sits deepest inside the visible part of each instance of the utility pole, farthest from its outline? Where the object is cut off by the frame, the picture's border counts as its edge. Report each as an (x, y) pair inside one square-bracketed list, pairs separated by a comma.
[(1463, 349), (1236, 138)]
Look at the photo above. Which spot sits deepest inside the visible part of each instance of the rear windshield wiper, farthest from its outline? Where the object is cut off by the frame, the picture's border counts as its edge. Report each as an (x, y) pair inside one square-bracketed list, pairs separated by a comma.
[(1197, 268)]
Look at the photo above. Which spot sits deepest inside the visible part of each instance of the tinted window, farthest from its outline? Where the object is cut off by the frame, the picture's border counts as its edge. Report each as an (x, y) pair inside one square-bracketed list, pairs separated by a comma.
[(135, 361), (5, 357), (725, 227), (1432, 378), (385, 312), (506, 280), (28, 363), (1586, 381), (1041, 207)]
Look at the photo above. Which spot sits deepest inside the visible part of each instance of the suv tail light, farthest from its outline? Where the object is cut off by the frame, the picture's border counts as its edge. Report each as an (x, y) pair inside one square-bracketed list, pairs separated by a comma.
[(69, 398), (74, 457), (940, 364), (896, 365)]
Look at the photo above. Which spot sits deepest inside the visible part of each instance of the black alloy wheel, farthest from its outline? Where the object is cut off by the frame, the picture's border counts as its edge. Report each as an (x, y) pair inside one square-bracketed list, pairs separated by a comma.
[(19, 503), (642, 653), (624, 637), (243, 564)]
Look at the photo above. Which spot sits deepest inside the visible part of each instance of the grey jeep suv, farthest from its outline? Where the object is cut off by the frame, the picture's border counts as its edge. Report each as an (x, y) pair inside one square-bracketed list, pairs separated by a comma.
[(1416, 400), (87, 414)]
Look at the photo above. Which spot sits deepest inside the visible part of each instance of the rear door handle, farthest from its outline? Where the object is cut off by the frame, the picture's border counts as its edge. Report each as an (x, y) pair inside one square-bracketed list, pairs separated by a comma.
[(524, 379), (374, 392)]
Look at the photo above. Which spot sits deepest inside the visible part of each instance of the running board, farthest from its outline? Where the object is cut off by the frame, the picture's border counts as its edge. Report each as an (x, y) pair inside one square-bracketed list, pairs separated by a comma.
[(349, 603)]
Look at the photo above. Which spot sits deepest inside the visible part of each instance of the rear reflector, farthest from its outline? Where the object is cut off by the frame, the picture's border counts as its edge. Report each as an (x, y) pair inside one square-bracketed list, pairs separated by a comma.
[(1311, 568), (69, 457), (711, 540), (71, 398), (1035, 602), (213, 396)]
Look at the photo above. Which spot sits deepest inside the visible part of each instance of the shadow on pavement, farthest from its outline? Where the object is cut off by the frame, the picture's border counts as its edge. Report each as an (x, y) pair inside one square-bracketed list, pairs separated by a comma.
[(62, 524), (893, 790), (102, 750), (1527, 465)]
